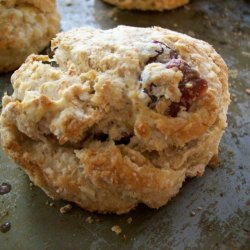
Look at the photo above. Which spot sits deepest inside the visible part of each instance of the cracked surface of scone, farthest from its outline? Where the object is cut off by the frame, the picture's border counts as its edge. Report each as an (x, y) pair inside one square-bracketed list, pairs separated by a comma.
[(159, 5), (117, 117), (27, 26)]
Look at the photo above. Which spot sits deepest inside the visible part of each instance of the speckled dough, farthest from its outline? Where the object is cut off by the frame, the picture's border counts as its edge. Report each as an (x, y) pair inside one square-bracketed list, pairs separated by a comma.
[(26, 27), (107, 121), (148, 4)]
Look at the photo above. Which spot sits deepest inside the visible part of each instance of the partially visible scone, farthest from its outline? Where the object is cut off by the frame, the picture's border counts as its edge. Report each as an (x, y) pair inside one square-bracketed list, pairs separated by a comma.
[(26, 27), (148, 4), (117, 117)]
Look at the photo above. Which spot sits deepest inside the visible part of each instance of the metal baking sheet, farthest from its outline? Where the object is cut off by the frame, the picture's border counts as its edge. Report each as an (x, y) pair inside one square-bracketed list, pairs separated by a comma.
[(212, 212)]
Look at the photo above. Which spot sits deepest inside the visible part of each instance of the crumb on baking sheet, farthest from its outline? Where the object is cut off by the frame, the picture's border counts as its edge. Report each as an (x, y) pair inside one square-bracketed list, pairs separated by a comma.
[(116, 229), (234, 97), (89, 220), (129, 220), (66, 209), (233, 73), (125, 237), (191, 33), (244, 53), (48, 203), (192, 213), (248, 91)]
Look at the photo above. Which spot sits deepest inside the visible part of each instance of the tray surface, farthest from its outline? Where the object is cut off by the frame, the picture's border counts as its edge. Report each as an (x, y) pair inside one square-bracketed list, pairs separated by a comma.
[(220, 199)]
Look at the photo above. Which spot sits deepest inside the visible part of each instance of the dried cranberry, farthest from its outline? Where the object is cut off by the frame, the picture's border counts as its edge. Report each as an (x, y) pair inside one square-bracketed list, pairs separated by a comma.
[(191, 86), (173, 109), (196, 88), (163, 46), (173, 54), (188, 72)]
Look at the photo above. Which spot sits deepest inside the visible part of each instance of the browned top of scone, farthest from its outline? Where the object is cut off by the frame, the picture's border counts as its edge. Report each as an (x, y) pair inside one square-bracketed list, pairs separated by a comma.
[(157, 85)]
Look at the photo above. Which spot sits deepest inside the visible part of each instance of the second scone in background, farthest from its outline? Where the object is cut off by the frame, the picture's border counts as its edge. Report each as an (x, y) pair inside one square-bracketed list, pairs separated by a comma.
[(156, 5), (26, 27)]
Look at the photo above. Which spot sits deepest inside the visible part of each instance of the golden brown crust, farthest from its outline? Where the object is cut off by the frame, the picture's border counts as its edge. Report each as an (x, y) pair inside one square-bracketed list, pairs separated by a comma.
[(44, 5), (148, 4), (102, 177), (28, 26), (81, 126)]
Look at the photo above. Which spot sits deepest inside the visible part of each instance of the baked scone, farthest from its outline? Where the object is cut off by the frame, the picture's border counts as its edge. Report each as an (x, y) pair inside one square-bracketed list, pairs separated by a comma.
[(148, 4), (117, 117), (26, 27)]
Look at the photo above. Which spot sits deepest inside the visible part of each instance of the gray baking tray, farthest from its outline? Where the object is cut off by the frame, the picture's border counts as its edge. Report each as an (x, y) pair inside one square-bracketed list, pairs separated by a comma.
[(212, 212)]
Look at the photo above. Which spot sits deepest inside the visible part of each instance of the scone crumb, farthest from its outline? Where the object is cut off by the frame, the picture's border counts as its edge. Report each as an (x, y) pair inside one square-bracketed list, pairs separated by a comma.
[(31, 186), (65, 209), (129, 220), (125, 237), (234, 97), (244, 53), (116, 229), (233, 73), (192, 213), (48, 203), (248, 91), (89, 220), (191, 33)]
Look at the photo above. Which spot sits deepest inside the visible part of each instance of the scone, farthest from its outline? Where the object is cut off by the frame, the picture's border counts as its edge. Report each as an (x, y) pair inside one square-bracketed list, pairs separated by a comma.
[(26, 27), (117, 117), (148, 4)]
